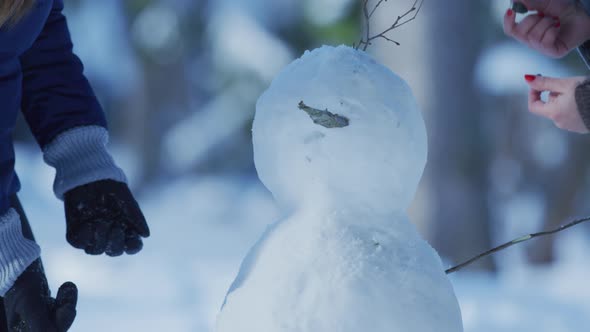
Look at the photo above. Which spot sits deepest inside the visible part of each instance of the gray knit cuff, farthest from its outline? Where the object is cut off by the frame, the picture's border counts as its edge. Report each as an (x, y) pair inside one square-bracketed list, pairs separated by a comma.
[(79, 157), (16, 252)]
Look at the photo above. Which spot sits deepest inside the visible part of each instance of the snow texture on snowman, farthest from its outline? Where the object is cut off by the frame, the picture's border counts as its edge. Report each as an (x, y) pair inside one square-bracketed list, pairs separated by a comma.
[(345, 257)]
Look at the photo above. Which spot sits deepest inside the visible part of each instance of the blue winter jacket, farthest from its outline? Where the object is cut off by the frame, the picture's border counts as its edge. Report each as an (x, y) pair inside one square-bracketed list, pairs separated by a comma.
[(40, 75), (584, 49)]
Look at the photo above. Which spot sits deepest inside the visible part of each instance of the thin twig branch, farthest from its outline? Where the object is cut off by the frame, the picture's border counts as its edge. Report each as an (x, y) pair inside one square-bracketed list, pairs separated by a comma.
[(389, 39), (376, 6), (367, 20), (400, 21), (515, 241)]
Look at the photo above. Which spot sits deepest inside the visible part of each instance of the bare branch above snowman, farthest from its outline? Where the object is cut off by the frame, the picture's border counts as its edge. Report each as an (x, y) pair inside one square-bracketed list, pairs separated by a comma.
[(401, 20)]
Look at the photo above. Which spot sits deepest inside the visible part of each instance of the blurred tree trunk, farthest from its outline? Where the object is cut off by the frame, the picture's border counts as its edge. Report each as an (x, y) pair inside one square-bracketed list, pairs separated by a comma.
[(163, 98), (458, 152)]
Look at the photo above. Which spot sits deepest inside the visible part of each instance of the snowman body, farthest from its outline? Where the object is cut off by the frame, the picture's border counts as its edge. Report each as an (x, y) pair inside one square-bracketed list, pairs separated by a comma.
[(345, 258)]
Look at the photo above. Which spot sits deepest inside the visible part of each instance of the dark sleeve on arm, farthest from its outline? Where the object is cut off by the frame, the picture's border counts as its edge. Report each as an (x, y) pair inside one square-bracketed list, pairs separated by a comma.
[(583, 101), (584, 49), (56, 95)]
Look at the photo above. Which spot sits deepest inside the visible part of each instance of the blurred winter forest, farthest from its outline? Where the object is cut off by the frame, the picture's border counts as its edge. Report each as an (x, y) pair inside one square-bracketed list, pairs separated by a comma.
[(179, 80)]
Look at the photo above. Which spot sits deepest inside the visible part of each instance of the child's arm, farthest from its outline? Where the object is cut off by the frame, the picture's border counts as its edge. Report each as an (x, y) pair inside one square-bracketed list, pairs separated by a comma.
[(69, 124)]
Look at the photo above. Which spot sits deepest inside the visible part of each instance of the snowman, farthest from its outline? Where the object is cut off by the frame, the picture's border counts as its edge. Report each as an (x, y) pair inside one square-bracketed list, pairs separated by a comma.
[(340, 142)]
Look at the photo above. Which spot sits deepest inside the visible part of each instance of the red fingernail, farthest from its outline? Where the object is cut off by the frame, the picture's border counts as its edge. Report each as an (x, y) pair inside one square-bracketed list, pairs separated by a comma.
[(509, 12), (541, 14), (529, 78), (557, 24)]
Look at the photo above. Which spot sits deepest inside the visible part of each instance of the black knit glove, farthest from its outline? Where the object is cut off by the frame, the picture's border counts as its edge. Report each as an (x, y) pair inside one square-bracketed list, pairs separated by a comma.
[(103, 217), (29, 307)]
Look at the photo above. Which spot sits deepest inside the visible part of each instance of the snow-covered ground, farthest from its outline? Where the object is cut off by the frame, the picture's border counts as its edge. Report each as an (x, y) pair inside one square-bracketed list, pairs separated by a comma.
[(531, 299), (203, 226)]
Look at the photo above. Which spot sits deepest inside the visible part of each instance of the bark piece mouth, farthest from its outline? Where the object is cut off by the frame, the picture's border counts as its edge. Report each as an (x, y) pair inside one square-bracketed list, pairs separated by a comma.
[(324, 118)]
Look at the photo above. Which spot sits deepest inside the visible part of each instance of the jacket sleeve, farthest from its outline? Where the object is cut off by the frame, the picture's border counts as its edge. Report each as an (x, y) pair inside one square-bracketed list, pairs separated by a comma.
[(584, 49), (56, 95)]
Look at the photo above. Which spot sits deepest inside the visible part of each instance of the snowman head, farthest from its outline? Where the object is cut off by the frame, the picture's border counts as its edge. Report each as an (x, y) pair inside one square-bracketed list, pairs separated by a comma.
[(371, 155)]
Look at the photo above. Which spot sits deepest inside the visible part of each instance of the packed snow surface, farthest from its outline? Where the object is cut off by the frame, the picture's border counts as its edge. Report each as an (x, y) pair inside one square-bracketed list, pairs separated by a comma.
[(178, 282), (345, 257)]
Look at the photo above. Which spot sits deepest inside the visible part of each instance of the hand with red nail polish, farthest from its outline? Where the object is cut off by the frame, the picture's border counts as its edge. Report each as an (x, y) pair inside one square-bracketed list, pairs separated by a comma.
[(560, 106), (557, 27)]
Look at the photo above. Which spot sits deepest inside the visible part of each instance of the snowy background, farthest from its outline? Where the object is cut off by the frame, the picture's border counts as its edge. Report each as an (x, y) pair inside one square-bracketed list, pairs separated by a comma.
[(179, 79)]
